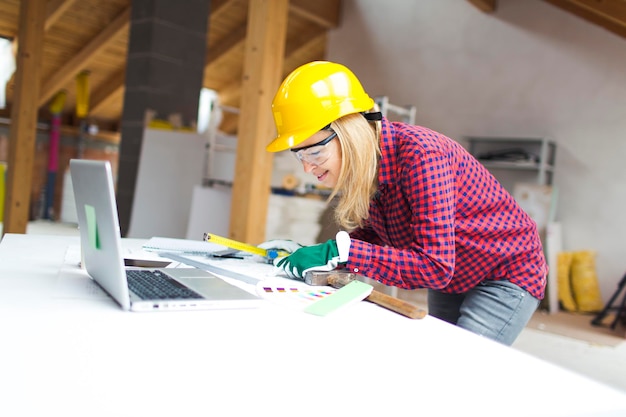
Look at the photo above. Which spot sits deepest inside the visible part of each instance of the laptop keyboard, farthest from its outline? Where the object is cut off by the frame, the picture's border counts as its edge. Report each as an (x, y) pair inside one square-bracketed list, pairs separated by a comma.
[(155, 285)]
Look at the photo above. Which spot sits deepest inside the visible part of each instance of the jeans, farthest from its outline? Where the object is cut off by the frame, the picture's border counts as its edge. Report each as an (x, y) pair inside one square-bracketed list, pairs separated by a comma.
[(498, 310)]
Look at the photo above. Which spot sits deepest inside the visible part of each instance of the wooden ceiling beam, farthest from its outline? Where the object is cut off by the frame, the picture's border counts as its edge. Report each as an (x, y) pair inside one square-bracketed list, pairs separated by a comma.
[(324, 13), (236, 38), (487, 6), (107, 92), (54, 10), (609, 14), (231, 93), (104, 136), (295, 49), (84, 56), (302, 44), (112, 87), (218, 6)]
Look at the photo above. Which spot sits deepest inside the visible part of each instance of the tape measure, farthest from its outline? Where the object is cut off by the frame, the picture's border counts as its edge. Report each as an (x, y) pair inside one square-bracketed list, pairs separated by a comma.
[(244, 247)]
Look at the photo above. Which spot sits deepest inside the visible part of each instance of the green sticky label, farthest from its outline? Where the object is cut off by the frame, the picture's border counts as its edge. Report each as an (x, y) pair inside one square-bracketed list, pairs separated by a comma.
[(92, 226), (353, 292)]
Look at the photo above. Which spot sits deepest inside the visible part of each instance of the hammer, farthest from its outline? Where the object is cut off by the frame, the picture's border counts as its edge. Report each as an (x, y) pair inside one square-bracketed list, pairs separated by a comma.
[(337, 279)]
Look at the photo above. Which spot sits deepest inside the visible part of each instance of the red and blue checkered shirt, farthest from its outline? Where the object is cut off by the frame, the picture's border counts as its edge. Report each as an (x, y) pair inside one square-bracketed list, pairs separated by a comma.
[(440, 220)]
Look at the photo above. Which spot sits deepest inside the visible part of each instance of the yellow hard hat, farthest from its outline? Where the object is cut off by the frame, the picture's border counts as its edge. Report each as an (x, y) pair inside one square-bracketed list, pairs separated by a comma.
[(311, 97)]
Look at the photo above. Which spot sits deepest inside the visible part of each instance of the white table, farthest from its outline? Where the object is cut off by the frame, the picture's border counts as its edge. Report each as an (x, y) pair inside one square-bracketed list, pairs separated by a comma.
[(77, 357)]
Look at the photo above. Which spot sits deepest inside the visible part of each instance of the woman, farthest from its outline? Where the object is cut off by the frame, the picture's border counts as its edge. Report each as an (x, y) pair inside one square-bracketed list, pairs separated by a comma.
[(422, 212)]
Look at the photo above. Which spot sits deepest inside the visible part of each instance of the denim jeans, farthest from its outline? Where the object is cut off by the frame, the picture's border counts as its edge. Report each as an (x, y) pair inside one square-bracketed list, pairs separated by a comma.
[(498, 310)]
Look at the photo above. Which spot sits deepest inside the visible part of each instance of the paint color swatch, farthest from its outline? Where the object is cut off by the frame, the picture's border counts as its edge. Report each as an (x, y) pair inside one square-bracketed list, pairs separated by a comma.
[(297, 296), (315, 300)]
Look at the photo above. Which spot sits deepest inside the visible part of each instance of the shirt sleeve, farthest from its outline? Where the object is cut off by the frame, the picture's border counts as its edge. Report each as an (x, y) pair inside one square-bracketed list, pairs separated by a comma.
[(366, 234), (427, 259)]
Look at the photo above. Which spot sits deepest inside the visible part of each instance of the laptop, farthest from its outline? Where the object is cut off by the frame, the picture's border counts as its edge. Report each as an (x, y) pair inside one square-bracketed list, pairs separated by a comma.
[(101, 246)]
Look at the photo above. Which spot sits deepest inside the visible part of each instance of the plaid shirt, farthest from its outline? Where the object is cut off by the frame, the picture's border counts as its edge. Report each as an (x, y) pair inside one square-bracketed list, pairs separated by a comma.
[(440, 220)]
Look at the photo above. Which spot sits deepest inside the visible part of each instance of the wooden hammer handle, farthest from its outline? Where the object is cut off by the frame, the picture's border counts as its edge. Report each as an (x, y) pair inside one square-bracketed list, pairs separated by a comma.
[(395, 304), (391, 303)]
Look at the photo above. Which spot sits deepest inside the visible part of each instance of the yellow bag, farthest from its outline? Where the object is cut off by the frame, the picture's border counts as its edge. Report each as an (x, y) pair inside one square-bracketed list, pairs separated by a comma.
[(566, 298), (585, 282)]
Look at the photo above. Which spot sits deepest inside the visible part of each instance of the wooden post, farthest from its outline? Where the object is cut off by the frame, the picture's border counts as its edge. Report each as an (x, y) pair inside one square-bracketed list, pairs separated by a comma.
[(262, 73), (23, 128)]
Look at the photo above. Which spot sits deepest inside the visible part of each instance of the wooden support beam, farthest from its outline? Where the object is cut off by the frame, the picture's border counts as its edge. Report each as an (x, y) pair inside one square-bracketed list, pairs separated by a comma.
[(107, 91), (233, 40), (217, 6), (487, 6), (231, 93), (292, 48), (262, 75), (609, 14), (80, 61), (103, 136), (23, 129), (54, 10), (321, 12)]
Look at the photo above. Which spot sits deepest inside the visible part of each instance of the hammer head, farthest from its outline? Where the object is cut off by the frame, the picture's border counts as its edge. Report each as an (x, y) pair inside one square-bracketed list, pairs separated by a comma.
[(321, 278)]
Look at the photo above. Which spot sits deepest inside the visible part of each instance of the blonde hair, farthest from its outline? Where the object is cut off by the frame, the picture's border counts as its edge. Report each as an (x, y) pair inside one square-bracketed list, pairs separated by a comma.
[(358, 178)]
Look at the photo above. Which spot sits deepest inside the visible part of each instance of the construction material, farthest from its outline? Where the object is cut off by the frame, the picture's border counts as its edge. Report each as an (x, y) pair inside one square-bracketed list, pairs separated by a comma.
[(338, 279), (584, 279), (578, 286), (566, 296)]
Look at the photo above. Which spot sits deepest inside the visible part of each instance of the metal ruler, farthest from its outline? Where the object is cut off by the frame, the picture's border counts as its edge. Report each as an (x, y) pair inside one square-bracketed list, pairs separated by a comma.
[(208, 267)]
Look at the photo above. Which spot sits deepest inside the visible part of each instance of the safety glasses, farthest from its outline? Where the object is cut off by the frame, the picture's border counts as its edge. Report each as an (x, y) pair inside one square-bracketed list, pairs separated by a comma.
[(315, 154)]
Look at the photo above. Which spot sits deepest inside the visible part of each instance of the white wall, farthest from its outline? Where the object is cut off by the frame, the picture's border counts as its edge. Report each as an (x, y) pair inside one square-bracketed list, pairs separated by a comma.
[(529, 69)]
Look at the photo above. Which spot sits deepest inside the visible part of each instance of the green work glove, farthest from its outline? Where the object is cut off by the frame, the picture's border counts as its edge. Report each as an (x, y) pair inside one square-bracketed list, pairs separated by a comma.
[(277, 249), (280, 245), (322, 257)]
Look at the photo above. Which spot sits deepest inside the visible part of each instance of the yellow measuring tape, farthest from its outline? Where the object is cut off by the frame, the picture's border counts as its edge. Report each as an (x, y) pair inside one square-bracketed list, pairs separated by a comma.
[(244, 247)]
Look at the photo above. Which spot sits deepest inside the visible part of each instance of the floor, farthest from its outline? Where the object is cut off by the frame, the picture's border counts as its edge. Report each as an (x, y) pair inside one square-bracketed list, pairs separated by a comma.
[(565, 339), (598, 353)]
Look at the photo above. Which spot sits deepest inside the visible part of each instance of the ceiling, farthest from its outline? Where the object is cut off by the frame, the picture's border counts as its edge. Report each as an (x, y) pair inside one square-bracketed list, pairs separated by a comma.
[(610, 14), (92, 35)]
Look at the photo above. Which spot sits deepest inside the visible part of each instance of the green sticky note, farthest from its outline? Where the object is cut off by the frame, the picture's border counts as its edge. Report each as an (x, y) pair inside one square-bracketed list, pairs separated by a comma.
[(92, 226), (353, 292)]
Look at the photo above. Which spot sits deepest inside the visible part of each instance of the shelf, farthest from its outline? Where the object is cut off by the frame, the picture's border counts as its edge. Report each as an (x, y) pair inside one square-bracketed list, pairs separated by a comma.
[(534, 156), (524, 166)]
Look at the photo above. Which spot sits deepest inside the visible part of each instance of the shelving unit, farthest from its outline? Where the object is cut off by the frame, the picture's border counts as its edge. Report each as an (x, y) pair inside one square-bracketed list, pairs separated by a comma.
[(518, 163), (403, 113), (515, 159)]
